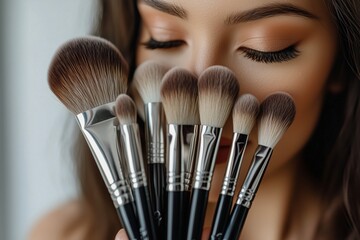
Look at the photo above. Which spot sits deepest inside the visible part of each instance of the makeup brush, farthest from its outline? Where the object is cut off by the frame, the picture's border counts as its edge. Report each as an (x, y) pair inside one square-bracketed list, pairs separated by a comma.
[(277, 112), (147, 80), (244, 114), (218, 89), (87, 74), (131, 145), (179, 94), (133, 92)]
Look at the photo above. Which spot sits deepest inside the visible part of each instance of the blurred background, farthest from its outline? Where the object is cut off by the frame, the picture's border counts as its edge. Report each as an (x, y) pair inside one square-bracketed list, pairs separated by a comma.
[(36, 173)]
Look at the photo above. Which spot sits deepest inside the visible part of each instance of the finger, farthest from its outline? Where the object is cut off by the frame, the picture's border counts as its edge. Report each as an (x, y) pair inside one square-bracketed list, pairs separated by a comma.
[(121, 235)]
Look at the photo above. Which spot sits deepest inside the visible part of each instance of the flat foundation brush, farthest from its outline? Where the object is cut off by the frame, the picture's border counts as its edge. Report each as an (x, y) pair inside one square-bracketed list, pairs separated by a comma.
[(277, 112), (244, 115), (218, 89), (131, 146), (87, 74), (179, 94), (147, 80)]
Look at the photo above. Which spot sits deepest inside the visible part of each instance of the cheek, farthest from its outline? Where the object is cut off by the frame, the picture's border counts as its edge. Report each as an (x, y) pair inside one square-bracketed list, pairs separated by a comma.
[(305, 78)]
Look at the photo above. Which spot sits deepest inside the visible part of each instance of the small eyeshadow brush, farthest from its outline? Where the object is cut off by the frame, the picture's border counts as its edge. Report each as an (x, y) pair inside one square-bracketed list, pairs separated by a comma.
[(277, 113)]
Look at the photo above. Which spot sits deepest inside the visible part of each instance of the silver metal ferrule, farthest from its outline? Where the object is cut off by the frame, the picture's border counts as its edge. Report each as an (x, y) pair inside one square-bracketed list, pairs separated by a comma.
[(99, 127), (179, 158), (255, 174), (131, 145), (154, 132), (206, 156), (191, 160), (238, 146)]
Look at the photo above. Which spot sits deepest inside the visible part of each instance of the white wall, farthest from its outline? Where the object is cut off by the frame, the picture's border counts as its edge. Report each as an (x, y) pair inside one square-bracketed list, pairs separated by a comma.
[(39, 174)]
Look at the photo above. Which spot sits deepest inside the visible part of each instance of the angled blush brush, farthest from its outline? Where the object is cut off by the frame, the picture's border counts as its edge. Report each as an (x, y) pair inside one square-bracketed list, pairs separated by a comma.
[(131, 146), (179, 94), (244, 114), (87, 74), (147, 80), (277, 113), (218, 89)]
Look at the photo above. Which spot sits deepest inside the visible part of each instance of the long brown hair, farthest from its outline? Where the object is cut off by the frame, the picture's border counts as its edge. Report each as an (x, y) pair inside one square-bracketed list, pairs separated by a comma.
[(332, 154)]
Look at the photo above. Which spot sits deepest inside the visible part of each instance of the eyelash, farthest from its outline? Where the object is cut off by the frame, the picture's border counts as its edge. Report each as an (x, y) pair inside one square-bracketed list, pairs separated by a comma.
[(271, 57), (255, 55), (154, 44)]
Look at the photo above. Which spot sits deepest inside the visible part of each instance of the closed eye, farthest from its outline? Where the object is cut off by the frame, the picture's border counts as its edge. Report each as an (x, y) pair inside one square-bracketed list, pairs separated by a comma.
[(154, 44), (283, 55)]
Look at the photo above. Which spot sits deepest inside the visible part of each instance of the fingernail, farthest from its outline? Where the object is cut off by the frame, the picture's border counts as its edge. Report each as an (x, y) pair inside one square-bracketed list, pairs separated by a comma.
[(121, 235)]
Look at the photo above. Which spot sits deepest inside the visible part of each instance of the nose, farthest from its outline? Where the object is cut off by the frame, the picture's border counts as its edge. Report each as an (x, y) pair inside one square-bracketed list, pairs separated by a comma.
[(204, 55)]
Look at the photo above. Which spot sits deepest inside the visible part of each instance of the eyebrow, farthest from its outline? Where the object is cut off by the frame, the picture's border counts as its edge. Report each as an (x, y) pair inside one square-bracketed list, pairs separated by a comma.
[(267, 11), (169, 8)]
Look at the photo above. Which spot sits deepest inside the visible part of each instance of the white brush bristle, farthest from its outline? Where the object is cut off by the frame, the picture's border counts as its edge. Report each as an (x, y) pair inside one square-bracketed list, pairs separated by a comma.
[(276, 115), (87, 72), (147, 80), (245, 113), (125, 109), (218, 89), (179, 94)]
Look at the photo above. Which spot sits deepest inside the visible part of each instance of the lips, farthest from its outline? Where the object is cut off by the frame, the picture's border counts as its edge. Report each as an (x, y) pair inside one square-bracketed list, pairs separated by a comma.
[(223, 152)]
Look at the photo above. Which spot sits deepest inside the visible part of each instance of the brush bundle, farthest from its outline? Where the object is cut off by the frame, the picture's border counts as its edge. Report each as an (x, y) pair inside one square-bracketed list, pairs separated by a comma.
[(164, 194)]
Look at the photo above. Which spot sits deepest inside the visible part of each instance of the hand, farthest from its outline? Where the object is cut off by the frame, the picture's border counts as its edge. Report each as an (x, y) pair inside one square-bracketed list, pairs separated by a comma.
[(121, 235)]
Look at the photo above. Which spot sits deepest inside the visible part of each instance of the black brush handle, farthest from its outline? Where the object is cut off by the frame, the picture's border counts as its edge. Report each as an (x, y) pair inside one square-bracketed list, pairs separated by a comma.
[(157, 181), (129, 220), (176, 218), (236, 222), (197, 213), (144, 212), (221, 216)]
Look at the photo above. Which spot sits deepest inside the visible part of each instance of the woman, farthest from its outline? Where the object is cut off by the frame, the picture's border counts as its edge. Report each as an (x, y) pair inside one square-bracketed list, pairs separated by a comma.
[(307, 48)]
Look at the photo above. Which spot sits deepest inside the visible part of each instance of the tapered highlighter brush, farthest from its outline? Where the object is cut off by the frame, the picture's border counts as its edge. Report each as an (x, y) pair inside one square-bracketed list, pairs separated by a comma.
[(131, 145), (179, 94), (218, 88), (87, 74), (147, 80), (277, 113), (244, 116)]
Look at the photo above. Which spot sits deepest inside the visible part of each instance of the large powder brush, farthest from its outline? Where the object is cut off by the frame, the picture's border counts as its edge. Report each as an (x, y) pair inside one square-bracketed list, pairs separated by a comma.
[(87, 74)]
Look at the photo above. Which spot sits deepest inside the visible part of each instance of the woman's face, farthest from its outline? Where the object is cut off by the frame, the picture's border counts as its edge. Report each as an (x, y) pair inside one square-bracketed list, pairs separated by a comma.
[(281, 45)]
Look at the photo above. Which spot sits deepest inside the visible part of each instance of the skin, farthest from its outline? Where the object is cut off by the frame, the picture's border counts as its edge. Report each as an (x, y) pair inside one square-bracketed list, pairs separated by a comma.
[(206, 40)]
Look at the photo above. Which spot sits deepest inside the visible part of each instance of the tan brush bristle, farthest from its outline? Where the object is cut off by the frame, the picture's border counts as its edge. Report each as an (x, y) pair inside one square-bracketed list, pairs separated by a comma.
[(245, 112), (87, 72), (218, 89), (147, 79), (125, 109), (179, 95), (277, 112)]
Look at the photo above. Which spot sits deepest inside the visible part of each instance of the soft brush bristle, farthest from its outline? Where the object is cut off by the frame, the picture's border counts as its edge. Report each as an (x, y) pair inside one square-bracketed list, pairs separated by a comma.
[(245, 113), (276, 115), (179, 94), (125, 109), (133, 92), (147, 80), (218, 89), (86, 73)]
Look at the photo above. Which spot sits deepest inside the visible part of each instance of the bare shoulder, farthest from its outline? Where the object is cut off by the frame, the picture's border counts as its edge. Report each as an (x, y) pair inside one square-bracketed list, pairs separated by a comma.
[(65, 222)]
